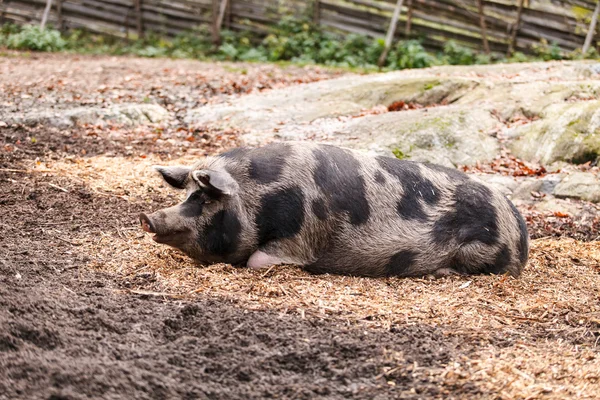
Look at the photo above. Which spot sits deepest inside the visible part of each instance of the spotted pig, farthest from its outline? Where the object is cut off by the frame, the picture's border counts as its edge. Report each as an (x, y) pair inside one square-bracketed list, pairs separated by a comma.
[(334, 210)]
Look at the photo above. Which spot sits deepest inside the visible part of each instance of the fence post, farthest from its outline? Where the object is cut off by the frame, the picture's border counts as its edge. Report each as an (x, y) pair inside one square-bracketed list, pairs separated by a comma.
[(228, 14), (218, 14), (59, 15), (592, 30), (513, 37), (408, 18), (45, 15), (139, 19), (316, 12), (486, 46), (390, 34), (213, 22)]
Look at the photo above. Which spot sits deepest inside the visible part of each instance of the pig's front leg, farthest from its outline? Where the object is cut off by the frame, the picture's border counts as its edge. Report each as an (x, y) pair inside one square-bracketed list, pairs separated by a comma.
[(260, 259), (278, 252)]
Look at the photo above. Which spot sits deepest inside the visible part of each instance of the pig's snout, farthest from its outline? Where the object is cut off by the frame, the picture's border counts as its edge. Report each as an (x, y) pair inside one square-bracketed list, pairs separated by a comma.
[(166, 225), (147, 223)]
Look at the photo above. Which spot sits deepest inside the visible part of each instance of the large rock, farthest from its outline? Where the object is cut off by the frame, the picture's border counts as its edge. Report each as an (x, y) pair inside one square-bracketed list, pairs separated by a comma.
[(478, 98), (566, 132), (474, 106), (505, 184), (326, 99), (581, 186), (125, 114), (445, 135), (449, 136), (530, 98), (529, 185)]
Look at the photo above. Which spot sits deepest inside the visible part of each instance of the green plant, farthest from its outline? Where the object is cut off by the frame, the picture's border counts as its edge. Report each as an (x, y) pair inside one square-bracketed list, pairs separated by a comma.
[(399, 154), (455, 54), (228, 51), (431, 85), (9, 29), (254, 54), (518, 57), (151, 51), (577, 54), (194, 43), (547, 52), (592, 53), (295, 40), (410, 54), (483, 59), (32, 37)]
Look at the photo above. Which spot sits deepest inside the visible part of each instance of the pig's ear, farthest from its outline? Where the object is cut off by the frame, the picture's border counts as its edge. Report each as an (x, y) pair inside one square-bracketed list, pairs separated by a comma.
[(216, 182), (174, 176)]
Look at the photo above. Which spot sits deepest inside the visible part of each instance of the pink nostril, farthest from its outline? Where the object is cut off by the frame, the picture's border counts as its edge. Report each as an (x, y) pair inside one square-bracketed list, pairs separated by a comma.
[(146, 224), (146, 227)]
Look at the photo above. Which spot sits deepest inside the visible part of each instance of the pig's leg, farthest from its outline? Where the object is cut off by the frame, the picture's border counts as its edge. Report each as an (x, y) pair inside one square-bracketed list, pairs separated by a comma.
[(445, 272), (260, 259), (277, 252)]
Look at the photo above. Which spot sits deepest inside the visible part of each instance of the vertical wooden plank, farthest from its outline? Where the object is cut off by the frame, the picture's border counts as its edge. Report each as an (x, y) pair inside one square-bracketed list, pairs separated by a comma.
[(316, 12), (213, 24), (222, 8), (486, 46), (592, 31), (139, 19), (45, 14), (390, 34), (513, 37), (218, 14), (59, 15), (408, 18), (228, 14)]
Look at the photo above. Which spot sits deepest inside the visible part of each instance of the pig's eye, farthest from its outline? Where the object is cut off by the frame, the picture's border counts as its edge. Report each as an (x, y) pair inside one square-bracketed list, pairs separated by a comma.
[(196, 197), (207, 201)]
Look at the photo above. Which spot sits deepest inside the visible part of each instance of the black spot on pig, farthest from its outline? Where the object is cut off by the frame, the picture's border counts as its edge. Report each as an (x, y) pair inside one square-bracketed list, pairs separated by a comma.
[(523, 246), (266, 163), (379, 178), (338, 174), (410, 208), (473, 219), (400, 262), (237, 153), (413, 183), (281, 214), (222, 234), (194, 205), (319, 208), (415, 187)]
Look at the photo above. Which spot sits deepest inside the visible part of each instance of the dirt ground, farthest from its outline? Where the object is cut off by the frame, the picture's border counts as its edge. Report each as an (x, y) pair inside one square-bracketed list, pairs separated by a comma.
[(90, 307)]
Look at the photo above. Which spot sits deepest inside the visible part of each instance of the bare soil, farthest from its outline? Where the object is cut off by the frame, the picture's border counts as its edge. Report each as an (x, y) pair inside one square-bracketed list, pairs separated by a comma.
[(90, 307)]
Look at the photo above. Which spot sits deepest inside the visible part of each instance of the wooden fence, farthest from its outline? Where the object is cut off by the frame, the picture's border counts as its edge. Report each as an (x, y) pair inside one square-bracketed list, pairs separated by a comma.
[(505, 23)]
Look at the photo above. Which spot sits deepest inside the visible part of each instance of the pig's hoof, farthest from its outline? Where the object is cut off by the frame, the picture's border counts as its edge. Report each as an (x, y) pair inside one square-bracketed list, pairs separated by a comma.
[(261, 260)]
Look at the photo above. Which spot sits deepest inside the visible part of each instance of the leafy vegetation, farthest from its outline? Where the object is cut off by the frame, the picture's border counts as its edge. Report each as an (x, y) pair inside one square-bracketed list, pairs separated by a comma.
[(32, 37), (294, 40)]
